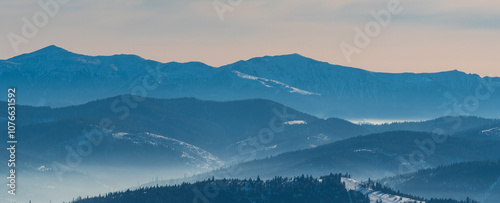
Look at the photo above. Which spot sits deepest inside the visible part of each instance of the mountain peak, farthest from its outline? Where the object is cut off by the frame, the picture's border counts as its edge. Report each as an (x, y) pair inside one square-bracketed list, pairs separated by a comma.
[(289, 56), (51, 50), (276, 58)]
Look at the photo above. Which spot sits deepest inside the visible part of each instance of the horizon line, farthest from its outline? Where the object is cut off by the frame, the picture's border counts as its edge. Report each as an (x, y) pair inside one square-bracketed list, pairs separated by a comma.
[(255, 57)]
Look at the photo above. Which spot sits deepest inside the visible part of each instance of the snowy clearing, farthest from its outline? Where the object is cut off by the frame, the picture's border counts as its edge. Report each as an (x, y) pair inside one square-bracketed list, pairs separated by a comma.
[(352, 184)]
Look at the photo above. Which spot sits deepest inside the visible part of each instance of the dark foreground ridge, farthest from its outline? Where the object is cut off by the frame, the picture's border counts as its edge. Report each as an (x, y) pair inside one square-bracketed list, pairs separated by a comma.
[(328, 188), (299, 189)]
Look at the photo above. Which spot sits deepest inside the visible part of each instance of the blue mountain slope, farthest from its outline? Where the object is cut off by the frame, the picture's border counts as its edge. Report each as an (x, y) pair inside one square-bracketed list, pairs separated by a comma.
[(56, 77)]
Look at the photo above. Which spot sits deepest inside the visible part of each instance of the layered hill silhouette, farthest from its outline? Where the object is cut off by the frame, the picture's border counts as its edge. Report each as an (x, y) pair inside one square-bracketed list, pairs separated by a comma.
[(371, 156), (201, 134), (171, 137)]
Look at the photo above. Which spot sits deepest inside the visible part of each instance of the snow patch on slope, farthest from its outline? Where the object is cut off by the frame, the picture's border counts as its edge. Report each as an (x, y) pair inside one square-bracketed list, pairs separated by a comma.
[(363, 150), (352, 184), (491, 132), (197, 156), (267, 82), (296, 122), (191, 151), (119, 135), (320, 138)]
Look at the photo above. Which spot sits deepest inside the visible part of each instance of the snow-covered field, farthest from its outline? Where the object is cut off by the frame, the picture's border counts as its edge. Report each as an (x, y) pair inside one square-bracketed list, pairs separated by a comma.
[(352, 184)]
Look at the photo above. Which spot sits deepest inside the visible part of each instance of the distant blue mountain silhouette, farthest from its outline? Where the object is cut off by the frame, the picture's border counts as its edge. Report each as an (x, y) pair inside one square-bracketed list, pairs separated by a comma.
[(55, 77)]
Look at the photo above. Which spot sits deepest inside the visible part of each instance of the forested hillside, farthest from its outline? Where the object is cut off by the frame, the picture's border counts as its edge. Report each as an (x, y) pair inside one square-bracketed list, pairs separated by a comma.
[(299, 189)]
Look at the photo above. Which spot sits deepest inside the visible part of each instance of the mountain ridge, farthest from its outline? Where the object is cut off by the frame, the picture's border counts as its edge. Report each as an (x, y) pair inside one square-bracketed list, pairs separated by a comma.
[(56, 77), (54, 49)]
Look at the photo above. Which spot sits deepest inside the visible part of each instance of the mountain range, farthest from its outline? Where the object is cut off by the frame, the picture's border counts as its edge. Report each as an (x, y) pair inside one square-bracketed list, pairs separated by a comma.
[(55, 77), (98, 123)]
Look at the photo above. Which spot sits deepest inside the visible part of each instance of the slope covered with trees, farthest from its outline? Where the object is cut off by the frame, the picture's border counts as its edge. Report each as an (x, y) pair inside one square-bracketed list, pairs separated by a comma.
[(299, 189)]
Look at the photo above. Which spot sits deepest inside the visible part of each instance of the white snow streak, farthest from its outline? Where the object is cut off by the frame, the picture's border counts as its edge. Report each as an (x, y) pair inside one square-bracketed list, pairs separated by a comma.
[(296, 122), (265, 82)]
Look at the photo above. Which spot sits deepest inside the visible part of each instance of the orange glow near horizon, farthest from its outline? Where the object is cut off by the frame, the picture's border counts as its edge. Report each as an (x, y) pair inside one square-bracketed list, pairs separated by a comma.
[(459, 35)]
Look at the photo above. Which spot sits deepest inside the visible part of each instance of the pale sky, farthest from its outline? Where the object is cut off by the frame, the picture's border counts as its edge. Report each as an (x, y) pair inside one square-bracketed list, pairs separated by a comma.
[(426, 36)]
